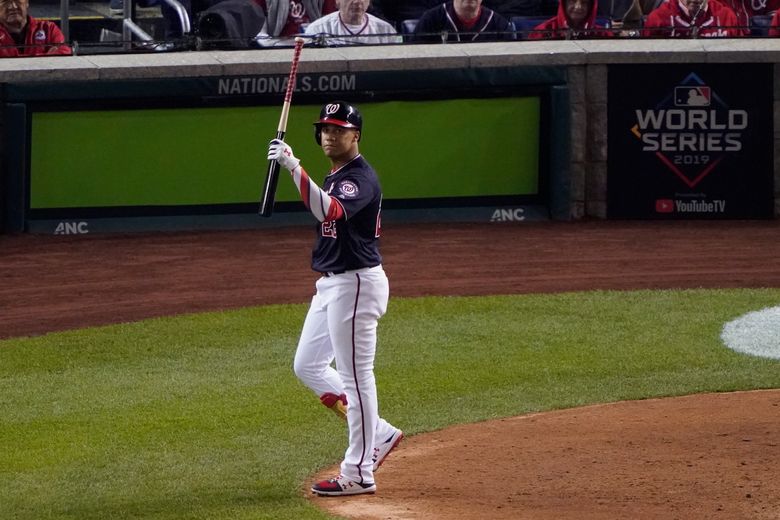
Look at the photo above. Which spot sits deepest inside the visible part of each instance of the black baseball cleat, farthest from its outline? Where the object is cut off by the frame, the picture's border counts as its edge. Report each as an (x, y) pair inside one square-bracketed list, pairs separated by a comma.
[(342, 486)]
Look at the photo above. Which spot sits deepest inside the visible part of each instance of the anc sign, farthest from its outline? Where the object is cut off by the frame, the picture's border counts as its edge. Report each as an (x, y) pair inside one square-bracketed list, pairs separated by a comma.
[(690, 141)]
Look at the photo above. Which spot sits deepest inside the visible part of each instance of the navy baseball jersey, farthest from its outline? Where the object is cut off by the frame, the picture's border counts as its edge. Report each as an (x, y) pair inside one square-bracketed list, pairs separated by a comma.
[(352, 242)]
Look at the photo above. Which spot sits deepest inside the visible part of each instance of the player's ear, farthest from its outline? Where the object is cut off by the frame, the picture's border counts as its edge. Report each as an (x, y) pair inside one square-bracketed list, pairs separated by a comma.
[(357, 135)]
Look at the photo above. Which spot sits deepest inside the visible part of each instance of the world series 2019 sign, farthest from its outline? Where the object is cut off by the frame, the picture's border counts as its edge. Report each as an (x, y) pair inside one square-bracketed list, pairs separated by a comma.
[(690, 141)]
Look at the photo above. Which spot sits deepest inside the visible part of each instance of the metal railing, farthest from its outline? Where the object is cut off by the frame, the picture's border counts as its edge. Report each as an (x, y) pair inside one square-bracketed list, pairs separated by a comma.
[(130, 28)]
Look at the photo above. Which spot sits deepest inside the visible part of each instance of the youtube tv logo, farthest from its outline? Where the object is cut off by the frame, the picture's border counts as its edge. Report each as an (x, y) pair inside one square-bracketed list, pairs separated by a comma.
[(664, 206)]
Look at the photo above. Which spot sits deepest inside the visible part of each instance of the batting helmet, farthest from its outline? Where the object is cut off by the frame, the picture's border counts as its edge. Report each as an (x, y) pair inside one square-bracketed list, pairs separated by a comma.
[(339, 113)]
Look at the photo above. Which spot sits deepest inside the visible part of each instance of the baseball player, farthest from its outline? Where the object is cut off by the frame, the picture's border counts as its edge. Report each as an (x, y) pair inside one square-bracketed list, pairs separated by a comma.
[(351, 295)]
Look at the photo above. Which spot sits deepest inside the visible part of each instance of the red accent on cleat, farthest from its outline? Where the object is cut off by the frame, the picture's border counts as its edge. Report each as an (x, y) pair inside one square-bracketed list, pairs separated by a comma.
[(330, 399), (342, 486)]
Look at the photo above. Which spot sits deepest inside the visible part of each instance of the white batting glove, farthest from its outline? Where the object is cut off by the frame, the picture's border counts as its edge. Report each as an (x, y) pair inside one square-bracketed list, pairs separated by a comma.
[(281, 152)]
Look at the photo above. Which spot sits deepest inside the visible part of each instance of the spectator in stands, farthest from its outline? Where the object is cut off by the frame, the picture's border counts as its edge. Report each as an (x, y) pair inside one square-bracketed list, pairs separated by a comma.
[(576, 19), (462, 21), (747, 9), (691, 19), (23, 35), (286, 18), (774, 28), (351, 25)]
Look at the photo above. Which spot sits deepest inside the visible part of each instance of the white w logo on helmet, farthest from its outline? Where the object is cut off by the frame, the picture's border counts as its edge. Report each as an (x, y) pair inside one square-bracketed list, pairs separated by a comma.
[(332, 108)]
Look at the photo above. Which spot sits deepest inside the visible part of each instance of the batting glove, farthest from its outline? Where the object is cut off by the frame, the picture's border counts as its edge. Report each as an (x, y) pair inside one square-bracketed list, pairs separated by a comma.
[(281, 152)]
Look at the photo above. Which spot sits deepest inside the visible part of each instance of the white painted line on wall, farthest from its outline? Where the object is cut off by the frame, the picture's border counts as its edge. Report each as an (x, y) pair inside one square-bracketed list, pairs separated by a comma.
[(756, 333)]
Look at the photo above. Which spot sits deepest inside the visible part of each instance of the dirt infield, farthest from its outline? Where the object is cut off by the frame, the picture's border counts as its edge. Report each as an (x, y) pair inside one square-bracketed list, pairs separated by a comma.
[(700, 457), (710, 456)]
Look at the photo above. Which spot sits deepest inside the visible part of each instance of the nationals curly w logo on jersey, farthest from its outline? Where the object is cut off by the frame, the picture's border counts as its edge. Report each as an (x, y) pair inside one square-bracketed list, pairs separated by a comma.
[(348, 189), (690, 141)]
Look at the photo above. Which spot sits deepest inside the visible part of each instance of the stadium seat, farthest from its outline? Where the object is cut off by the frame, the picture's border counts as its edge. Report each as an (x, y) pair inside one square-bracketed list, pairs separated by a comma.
[(759, 25), (407, 26), (524, 25)]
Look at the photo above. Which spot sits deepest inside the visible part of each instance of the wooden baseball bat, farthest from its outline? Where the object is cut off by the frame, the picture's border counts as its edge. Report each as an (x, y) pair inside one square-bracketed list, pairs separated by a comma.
[(272, 175)]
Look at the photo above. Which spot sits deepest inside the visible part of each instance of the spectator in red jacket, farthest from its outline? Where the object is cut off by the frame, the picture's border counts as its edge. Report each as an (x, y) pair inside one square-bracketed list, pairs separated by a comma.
[(23, 35), (774, 28), (692, 18), (575, 19), (747, 9)]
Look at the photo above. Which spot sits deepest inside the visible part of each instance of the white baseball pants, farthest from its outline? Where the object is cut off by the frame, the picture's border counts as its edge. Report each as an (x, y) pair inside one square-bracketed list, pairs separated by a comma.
[(341, 324)]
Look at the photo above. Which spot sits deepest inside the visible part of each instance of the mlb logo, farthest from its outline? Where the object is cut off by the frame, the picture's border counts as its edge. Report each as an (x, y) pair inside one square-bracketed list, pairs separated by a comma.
[(692, 96), (664, 206)]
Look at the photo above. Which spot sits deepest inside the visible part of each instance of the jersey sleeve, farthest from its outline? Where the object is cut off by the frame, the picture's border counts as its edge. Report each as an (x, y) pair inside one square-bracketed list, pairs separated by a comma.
[(323, 206)]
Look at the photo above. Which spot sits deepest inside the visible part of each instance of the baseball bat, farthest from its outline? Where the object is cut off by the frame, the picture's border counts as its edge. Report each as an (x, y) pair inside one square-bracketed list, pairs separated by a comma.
[(272, 175)]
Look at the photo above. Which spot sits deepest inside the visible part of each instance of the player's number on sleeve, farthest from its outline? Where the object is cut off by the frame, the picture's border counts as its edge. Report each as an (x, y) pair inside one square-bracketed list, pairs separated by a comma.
[(329, 229)]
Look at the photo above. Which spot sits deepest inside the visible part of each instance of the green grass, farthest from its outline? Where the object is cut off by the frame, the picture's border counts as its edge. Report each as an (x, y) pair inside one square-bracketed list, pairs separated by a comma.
[(200, 416)]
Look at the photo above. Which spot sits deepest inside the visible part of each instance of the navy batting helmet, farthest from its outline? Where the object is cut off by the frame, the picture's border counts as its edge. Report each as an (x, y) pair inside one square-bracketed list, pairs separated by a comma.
[(339, 113)]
